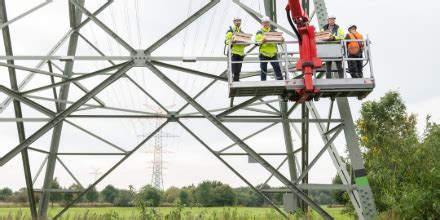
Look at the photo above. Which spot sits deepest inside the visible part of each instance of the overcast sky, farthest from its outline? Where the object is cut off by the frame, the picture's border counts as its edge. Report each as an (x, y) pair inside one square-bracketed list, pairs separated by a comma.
[(404, 52)]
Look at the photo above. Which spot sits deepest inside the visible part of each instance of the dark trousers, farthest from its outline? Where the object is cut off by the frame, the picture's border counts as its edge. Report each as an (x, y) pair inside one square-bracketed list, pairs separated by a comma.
[(355, 66), (236, 67), (275, 65), (328, 66)]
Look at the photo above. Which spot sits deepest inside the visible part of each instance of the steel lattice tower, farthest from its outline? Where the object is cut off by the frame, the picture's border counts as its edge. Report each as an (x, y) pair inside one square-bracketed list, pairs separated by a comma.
[(276, 112), (157, 177)]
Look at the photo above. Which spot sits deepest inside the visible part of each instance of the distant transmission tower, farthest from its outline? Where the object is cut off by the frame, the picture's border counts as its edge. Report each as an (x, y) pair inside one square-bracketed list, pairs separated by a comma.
[(96, 174), (157, 178), (158, 151)]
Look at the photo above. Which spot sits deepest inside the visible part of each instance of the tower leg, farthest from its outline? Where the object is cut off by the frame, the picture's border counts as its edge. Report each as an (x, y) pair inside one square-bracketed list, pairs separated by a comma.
[(18, 112), (355, 155), (289, 147)]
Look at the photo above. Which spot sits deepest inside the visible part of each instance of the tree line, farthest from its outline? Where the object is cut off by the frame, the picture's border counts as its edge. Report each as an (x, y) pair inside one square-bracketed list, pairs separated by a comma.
[(205, 194)]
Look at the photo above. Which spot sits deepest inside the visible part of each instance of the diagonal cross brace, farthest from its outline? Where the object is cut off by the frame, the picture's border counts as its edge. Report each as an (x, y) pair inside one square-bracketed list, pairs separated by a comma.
[(181, 26), (72, 80), (62, 115), (63, 39), (239, 106), (7, 23), (104, 27)]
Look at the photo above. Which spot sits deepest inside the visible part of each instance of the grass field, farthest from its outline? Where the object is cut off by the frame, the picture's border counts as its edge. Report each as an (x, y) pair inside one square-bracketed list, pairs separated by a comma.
[(242, 213)]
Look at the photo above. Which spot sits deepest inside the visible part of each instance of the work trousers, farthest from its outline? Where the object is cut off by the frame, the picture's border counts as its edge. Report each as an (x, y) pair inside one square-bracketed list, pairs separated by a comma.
[(236, 67), (355, 66), (328, 66), (275, 65)]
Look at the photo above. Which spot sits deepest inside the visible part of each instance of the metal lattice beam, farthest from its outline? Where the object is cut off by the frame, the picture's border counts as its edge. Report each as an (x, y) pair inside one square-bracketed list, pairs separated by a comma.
[(360, 194)]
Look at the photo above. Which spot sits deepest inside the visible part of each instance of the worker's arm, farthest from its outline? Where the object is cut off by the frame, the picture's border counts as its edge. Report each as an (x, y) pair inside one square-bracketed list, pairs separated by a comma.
[(361, 43), (340, 35), (228, 37), (259, 38)]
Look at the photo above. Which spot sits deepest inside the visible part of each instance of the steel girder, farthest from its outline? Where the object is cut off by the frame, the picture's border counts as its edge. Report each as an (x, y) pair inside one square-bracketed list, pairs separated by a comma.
[(18, 112), (75, 18)]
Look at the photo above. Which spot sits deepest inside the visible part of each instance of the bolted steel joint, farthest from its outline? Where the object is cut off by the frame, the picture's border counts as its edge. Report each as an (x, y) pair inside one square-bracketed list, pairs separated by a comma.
[(172, 117), (139, 58)]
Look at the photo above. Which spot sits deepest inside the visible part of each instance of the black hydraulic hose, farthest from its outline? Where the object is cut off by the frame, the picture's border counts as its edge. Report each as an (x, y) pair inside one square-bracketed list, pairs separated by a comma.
[(289, 18)]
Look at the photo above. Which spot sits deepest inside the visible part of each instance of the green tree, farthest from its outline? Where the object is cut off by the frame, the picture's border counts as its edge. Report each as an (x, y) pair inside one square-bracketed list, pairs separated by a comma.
[(124, 198), (204, 194), (214, 193), (186, 196), (339, 196), (403, 168), (324, 198), (55, 196), (151, 195), (388, 137), (19, 196), (171, 194), (92, 195), (70, 196), (224, 196), (421, 194), (249, 198), (109, 194), (5, 193)]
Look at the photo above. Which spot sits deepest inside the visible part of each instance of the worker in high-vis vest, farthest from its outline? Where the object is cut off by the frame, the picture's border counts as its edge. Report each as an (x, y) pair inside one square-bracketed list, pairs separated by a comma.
[(354, 49), (268, 51), (237, 50), (337, 35)]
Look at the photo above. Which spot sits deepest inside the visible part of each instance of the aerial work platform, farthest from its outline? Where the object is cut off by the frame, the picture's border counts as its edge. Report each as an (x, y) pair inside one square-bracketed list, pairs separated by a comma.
[(328, 88), (293, 81)]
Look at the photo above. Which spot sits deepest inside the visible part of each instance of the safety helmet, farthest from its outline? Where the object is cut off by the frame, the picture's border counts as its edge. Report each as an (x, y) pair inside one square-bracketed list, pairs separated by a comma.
[(352, 25), (332, 16), (265, 19), (237, 18)]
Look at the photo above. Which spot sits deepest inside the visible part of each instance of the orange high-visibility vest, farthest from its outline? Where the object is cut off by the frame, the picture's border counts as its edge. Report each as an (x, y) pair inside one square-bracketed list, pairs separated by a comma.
[(355, 47)]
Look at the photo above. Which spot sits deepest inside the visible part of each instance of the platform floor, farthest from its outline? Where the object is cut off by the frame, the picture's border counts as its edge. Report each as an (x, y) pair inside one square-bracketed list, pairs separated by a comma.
[(333, 88)]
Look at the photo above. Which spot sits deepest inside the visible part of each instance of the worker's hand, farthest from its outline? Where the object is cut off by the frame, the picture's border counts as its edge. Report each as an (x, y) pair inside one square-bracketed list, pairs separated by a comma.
[(264, 40), (282, 38)]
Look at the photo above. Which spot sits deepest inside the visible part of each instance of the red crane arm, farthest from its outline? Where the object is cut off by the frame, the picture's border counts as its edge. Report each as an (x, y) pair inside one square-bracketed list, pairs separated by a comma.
[(308, 60)]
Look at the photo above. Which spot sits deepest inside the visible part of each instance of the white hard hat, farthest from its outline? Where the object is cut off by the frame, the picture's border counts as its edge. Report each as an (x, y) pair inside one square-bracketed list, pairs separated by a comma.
[(352, 25), (265, 19), (332, 16), (237, 18)]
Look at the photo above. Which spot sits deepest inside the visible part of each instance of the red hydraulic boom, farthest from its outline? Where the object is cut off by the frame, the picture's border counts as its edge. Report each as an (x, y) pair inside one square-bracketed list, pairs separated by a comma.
[(308, 60)]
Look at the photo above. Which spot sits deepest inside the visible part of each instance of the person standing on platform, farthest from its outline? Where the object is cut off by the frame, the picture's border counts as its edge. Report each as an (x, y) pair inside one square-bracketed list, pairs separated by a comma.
[(268, 51), (354, 50), (237, 50), (337, 35)]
